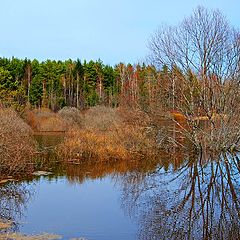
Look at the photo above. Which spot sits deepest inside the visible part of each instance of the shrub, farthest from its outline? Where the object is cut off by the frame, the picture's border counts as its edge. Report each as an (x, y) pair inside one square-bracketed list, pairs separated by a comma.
[(71, 115), (101, 118), (16, 144)]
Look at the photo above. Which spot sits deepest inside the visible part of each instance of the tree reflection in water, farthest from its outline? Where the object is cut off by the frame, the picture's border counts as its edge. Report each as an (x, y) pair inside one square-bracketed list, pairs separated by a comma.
[(13, 201), (189, 199), (199, 200)]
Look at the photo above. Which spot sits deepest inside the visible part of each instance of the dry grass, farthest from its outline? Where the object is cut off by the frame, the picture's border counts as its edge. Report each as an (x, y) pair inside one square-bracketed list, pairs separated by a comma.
[(44, 120), (5, 224), (18, 236), (17, 147), (107, 133)]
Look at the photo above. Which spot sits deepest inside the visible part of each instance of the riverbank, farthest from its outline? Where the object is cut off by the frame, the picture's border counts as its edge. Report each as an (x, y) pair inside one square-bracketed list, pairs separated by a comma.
[(17, 236), (102, 134)]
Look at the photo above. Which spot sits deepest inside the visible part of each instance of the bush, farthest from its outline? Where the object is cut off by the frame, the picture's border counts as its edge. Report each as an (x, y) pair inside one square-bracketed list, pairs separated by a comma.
[(16, 144), (71, 115)]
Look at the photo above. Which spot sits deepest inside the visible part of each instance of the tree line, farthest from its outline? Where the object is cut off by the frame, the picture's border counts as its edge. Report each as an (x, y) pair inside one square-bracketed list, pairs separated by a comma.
[(56, 84)]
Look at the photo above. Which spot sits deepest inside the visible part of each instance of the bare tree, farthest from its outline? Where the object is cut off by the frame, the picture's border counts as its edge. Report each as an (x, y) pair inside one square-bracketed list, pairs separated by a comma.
[(204, 42), (203, 54)]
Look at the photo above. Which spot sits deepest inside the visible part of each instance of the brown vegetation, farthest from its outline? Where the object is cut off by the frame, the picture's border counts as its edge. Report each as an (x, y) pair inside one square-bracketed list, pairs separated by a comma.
[(107, 133), (5, 224), (16, 144), (44, 120), (71, 116), (18, 236)]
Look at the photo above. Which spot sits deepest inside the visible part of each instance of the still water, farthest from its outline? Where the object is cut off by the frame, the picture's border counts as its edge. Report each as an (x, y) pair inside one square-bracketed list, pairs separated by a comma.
[(172, 197), (89, 210)]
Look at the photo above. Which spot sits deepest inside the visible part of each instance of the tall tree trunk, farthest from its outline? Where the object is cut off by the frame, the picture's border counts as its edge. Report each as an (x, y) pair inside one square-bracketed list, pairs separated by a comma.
[(77, 90)]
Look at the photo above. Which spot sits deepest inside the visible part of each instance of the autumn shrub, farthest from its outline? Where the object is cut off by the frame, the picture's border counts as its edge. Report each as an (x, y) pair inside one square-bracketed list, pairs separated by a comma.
[(71, 115), (134, 117), (17, 147), (101, 118), (44, 120), (106, 134)]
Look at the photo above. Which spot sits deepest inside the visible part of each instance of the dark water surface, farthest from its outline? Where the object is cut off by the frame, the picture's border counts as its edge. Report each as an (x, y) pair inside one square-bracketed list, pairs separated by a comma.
[(173, 197)]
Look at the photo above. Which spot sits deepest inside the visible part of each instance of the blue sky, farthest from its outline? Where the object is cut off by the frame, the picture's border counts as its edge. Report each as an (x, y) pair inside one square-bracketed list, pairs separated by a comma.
[(112, 30)]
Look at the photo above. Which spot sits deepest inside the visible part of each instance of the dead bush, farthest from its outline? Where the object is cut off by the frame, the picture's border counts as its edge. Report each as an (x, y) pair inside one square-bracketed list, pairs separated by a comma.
[(101, 118), (71, 115), (16, 144), (135, 117)]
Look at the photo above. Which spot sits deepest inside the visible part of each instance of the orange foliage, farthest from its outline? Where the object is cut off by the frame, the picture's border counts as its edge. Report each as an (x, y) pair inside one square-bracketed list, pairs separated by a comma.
[(178, 116), (45, 120)]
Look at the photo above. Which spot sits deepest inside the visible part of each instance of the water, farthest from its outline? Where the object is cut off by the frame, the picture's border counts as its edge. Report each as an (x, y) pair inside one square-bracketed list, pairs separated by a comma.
[(173, 197), (89, 210)]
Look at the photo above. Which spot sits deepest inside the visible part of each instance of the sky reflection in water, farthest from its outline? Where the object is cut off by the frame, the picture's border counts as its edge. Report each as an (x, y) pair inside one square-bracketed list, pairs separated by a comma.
[(90, 210)]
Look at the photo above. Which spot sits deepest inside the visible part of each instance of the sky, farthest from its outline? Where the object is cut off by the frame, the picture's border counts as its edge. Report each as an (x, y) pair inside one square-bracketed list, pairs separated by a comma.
[(111, 30)]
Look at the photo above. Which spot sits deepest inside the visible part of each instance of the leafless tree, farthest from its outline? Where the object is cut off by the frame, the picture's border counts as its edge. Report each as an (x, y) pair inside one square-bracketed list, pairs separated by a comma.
[(204, 42), (203, 53)]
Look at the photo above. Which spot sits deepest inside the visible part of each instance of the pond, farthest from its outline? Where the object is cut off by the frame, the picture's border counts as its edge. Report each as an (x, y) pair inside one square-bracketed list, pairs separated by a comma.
[(172, 197)]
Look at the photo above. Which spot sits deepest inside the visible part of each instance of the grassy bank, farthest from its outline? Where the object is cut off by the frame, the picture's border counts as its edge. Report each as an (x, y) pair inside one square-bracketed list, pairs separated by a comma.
[(6, 225)]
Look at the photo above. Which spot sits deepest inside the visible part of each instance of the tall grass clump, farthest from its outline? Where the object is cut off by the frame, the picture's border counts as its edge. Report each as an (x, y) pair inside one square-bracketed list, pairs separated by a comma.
[(107, 134), (17, 147)]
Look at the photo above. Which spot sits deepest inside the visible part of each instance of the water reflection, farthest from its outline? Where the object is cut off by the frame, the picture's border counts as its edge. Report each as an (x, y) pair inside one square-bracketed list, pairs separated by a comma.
[(170, 197), (14, 199), (199, 200)]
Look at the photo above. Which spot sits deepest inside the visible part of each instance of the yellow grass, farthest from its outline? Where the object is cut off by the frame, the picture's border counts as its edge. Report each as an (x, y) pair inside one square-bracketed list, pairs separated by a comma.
[(106, 134), (43, 120), (17, 236), (5, 224)]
